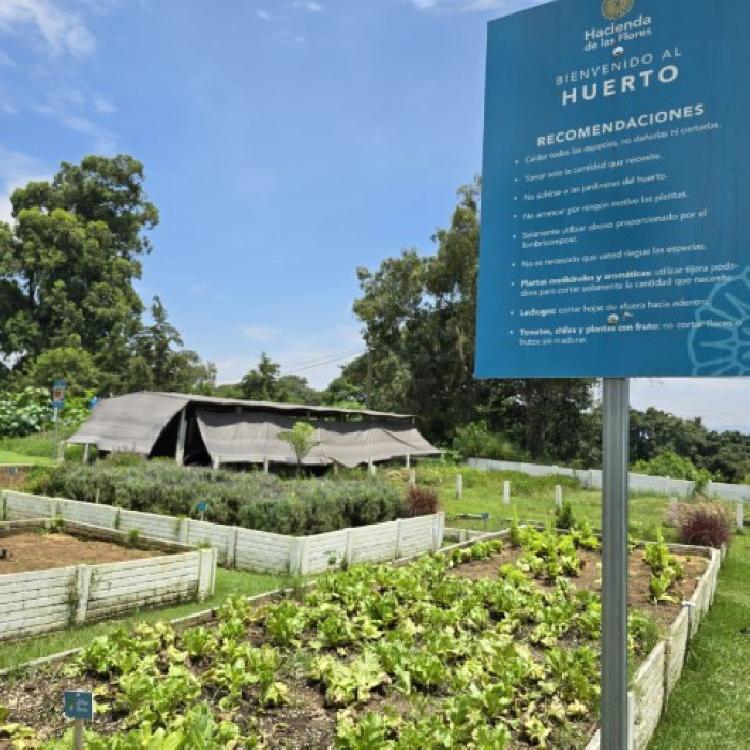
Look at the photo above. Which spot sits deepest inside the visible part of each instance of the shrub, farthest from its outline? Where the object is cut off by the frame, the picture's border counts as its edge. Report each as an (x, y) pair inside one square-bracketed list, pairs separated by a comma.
[(421, 501), (251, 500), (670, 464), (706, 525), (564, 518)]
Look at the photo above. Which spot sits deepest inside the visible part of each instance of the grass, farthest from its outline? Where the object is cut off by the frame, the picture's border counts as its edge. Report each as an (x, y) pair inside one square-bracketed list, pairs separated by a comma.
[(710, 707), (228, 582), (533, 499), (16, 459), (36, 449)]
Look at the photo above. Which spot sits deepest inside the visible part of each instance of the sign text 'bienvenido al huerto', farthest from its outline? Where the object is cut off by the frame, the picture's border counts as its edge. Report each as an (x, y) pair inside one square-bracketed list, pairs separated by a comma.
[(615, 188)]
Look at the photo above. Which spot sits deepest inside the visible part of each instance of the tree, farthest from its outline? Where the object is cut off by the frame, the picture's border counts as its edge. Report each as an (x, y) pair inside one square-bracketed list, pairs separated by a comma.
[(262, 383), (167, 366), (302, 439), (418, 315), (68, 264), (67, 268), (74, 365)]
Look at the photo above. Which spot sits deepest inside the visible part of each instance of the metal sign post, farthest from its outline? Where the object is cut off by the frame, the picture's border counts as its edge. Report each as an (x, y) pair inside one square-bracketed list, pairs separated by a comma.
[(78, 705), (616, 432)]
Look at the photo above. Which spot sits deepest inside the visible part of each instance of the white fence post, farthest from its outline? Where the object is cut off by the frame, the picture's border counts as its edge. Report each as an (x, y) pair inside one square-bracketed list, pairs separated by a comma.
[(506, 492), (674, 509), (371, 468), (408, 460), (232, 546), (459, 486), (399, 539), (559, 496), (182, 536), (348, 549), (82, 592), (412, 477), (265, 466), (740, 516), (206, 572), (296, 556), (631, 722), (436, 536)]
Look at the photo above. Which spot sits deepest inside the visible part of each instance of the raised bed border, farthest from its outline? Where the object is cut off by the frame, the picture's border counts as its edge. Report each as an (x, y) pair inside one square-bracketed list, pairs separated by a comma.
[(248, 549), (655, 678), (77, 594)]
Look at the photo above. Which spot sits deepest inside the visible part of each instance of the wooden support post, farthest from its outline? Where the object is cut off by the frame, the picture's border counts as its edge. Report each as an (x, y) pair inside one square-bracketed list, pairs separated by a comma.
[(559, 496), (179, 455), (459, 486), (506, 492), (78, 735)]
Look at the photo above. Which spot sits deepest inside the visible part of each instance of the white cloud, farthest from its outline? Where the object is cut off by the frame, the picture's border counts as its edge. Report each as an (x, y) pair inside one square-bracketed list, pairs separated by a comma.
[(104, 106), (264, 15), (317, 356), (5, 61), (71, 108), (260, 332), (16, 169), (308, 5), (60, 30), (722, 403)]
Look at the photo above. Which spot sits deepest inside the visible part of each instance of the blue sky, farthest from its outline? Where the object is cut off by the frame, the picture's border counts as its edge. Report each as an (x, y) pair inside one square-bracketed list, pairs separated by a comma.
[(285, 143)]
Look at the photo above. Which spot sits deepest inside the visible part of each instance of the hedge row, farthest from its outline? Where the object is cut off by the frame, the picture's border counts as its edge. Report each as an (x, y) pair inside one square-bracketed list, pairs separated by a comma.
[(251, 500)]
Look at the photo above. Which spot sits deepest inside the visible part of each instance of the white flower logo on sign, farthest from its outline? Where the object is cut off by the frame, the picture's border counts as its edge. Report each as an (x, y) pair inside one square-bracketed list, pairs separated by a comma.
[(721, 345)]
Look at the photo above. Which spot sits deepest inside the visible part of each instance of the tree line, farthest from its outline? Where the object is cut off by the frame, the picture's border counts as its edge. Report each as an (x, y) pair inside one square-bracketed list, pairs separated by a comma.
[(68, 307)]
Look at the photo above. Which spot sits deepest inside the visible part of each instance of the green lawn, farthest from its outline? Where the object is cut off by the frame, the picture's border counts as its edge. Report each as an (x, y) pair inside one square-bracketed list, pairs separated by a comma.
[(533, 499), (17, 459), (710, 707), (227, 582)]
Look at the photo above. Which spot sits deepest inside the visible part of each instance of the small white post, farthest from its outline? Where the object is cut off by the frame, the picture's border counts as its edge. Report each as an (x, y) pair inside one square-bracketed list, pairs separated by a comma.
[(78, 735), (459, 486), (740, 516), (206, 573), (506, 492), (96, 495), (348, 550), (399, 538), (85, 454), (408, 460), (558, 496), (371, 468), (216, 463), (674, 509), (84, 581), (265, 465), (412, 477), (232, 539), (182, 532)]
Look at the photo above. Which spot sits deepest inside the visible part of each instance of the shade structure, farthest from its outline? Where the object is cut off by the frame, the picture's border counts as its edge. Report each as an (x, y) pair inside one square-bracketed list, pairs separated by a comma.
[(131, 423), (254, 437), (202, 430)]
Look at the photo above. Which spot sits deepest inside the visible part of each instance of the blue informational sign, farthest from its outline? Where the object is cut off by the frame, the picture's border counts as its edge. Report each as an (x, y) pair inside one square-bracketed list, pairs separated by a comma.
[(616, 191), (202, 506), (58, 394), (79, 705)]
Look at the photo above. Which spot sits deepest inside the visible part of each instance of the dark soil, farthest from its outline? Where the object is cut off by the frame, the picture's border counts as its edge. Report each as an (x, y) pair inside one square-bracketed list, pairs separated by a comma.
[(41, 551), (306, 723)]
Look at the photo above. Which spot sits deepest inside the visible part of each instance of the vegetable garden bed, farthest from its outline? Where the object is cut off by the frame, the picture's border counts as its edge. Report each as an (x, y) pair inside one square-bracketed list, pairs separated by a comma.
[(486, 647)]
